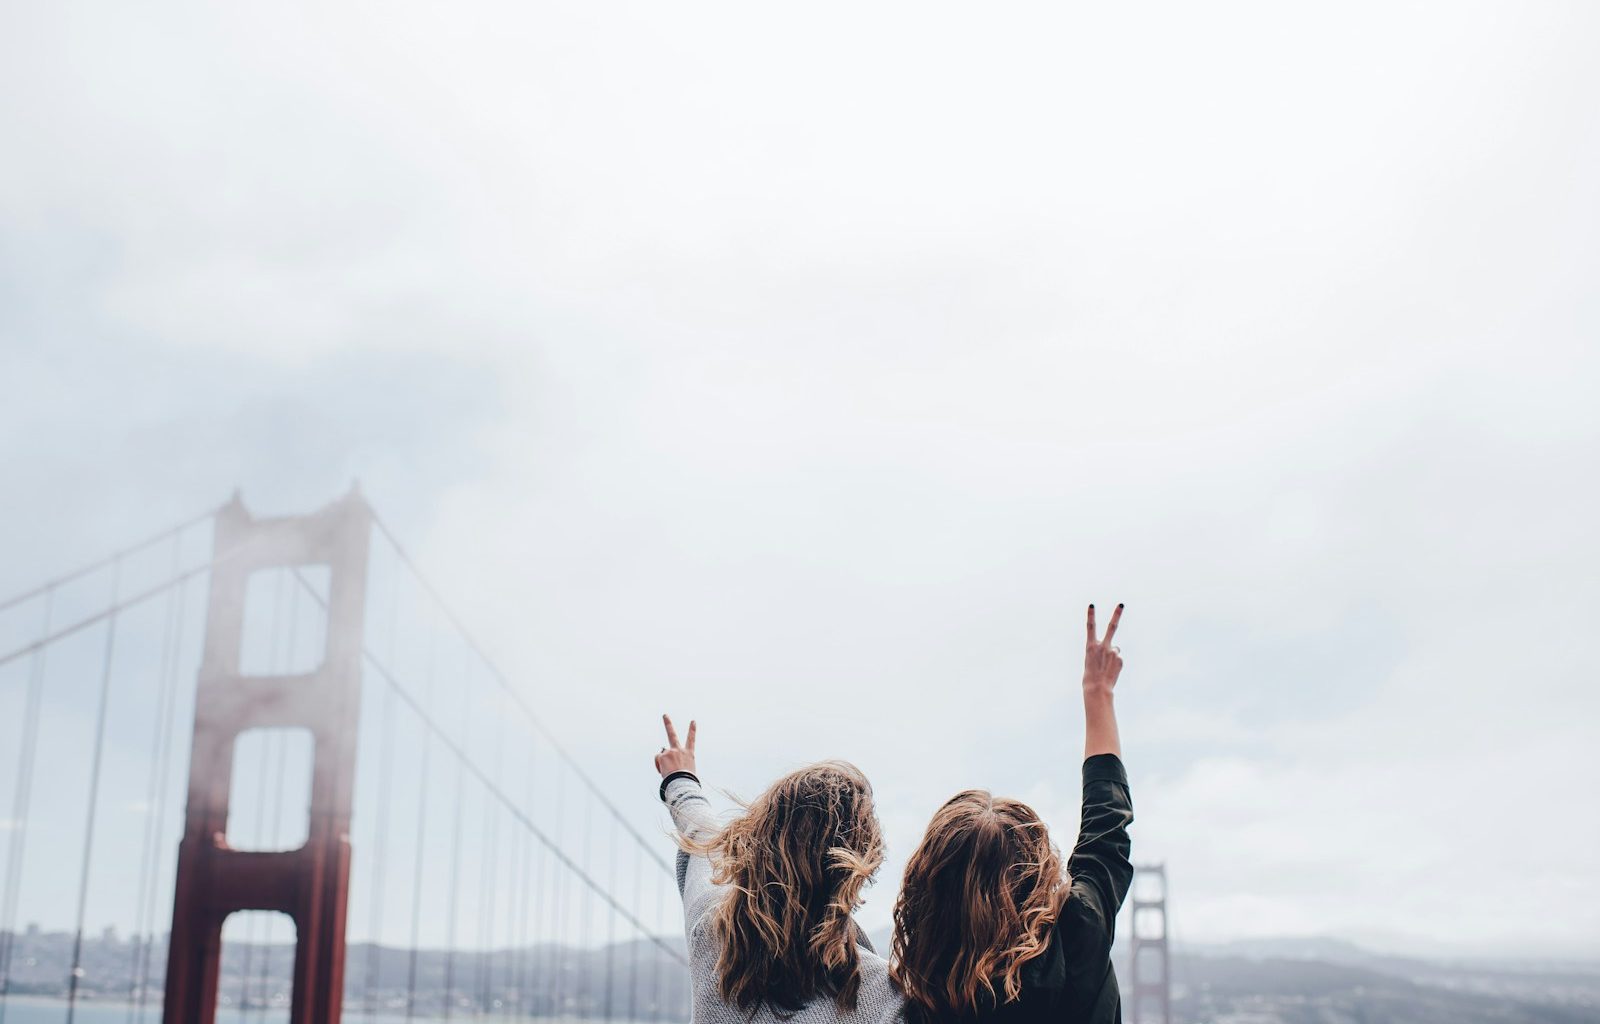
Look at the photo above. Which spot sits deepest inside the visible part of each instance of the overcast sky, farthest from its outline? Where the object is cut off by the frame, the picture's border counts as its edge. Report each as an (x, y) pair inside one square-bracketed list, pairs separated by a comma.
[(805, 370)]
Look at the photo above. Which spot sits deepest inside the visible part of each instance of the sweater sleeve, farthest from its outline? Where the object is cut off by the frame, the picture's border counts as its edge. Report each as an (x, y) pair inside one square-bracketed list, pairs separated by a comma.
[(691, 815), (1099, 866)]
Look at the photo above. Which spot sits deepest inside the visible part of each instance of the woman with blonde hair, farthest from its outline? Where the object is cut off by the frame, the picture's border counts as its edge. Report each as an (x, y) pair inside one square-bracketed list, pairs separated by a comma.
[(988, 926), (768, 897)]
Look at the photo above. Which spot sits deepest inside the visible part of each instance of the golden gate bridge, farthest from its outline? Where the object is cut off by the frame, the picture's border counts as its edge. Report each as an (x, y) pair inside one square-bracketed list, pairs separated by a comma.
[(306, 666)]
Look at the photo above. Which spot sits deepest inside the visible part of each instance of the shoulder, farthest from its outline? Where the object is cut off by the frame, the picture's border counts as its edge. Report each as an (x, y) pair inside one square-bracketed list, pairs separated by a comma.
[(1081, 933), (878, 1002)]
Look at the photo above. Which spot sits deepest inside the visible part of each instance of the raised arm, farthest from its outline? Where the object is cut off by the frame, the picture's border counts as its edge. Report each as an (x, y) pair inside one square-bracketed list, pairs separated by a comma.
[(1102, 663), (691, 814), (1099, 866)]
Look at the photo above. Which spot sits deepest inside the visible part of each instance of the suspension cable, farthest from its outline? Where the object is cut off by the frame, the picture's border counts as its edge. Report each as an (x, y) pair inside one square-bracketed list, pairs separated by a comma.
[(656, 999), (147, 846), (611, 922), (559, 893), (525, 957), (94, 797), (115, 556), (455, 869), (634, 947), (587, 917), (385, 760), (468, 765), (516, 697), (512, 967), (486, 888), (117, 607), (162, 790), (422, 832), (375, 914), (26, 757)]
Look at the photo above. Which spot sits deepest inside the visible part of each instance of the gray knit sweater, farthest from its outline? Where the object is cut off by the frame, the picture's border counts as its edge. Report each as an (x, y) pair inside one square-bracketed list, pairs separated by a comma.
[(878, 1002)]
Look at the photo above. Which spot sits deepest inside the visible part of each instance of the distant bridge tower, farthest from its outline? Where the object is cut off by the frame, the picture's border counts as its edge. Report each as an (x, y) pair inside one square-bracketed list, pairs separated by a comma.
[(311, 884), (1150, 981)]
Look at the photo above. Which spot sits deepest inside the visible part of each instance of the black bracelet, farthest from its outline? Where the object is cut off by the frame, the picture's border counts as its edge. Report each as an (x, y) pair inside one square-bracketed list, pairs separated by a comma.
[(677, 775)]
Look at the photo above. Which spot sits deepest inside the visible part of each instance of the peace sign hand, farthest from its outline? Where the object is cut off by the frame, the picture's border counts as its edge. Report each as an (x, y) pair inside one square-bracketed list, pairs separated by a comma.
[(1102, 662), (675, 758)]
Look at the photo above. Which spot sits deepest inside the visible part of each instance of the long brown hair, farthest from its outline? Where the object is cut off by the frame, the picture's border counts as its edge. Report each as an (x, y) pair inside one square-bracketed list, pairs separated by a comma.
[(980, 896), (795, 863)]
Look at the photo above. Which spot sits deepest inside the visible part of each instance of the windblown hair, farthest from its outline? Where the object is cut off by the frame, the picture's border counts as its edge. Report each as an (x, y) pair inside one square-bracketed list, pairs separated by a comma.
[(795, 864), (980, 897)]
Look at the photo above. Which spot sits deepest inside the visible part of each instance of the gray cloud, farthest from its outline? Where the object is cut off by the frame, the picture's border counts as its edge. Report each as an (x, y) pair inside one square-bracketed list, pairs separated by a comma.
[(816, 369)]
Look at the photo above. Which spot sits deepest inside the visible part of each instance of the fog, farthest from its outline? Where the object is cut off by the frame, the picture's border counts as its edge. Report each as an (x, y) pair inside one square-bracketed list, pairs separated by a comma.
[(806, 370)]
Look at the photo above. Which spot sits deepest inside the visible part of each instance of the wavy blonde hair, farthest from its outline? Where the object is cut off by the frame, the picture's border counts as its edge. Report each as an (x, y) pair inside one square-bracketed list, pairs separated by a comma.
[(795, 864), (980, 897)]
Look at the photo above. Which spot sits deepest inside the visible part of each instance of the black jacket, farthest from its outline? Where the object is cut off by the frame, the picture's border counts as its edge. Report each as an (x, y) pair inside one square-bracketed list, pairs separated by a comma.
[(1072, 981)]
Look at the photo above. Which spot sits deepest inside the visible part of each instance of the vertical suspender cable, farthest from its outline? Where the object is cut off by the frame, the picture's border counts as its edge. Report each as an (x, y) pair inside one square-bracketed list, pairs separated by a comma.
[(381, 843), (513, 877), (558, 893), (160, 810), (539, 965), (486, 887), (375, 920), (422, 834), (94, 795), (635, 947), (524, 947), (16, 847), (656, 995), (587, 913), (513, 966), (455, 864), (532, 874), (147, 851), (611, 925)]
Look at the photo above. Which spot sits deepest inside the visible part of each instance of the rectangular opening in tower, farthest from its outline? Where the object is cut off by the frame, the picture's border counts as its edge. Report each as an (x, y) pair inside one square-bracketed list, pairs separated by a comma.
[(285, 629), (256, 979), (269, 806), (1149, 923)]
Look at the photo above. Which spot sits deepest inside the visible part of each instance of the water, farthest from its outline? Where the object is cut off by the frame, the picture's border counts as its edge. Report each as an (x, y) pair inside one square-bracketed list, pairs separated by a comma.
[(31, 1010), (28, 1010)]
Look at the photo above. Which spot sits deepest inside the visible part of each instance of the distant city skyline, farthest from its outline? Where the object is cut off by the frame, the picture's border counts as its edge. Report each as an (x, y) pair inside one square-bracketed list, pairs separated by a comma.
[(1274, 982)]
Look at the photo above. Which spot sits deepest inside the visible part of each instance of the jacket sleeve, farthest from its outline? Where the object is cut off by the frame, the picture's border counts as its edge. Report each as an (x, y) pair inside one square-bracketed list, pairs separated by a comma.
[(691, 815), (1099, 866)]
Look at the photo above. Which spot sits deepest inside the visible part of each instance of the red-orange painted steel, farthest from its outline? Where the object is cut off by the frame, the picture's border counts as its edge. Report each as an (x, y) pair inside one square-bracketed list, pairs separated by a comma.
[(311, 884)]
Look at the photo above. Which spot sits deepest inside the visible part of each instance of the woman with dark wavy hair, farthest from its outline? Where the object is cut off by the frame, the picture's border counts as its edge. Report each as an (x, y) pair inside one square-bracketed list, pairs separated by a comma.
[(989, 927), (768, 897)]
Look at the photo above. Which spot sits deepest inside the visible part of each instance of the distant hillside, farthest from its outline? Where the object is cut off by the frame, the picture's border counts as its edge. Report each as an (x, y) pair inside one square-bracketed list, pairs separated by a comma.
[(646, 982), (1290, 981), (1220, 989)]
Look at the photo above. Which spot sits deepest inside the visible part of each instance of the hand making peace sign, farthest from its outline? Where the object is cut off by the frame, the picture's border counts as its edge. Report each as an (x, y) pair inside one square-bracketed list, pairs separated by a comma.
[(1102, 662), (675, 758)]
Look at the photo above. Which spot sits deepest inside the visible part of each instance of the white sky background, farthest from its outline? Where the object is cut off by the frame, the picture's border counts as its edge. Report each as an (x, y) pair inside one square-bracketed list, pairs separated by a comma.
[(806, 370)]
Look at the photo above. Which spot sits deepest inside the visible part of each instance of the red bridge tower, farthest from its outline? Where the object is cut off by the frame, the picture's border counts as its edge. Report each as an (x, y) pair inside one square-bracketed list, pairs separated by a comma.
[(310, 884)]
